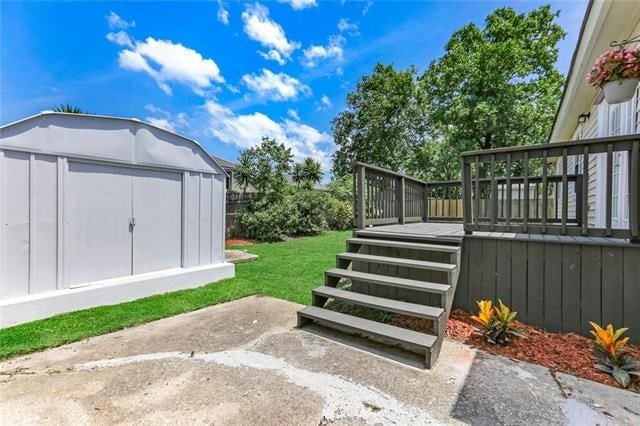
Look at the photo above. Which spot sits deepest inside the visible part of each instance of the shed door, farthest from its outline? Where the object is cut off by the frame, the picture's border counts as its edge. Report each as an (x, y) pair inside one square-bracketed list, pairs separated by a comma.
[(97, 210), (157, 210)]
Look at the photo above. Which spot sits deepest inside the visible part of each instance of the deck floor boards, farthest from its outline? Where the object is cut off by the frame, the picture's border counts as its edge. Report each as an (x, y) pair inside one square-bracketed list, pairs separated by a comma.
[(455, 232)]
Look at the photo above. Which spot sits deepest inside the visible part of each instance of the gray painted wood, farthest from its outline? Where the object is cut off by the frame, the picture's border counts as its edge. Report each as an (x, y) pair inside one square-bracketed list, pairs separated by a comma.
[(503, 271), (519, 278), (488, 269), (382, 303), (631, 293), (590, 288), (552, 291), (535, 283), (392, 281), (613, 285), (372, 328), (557, 285)]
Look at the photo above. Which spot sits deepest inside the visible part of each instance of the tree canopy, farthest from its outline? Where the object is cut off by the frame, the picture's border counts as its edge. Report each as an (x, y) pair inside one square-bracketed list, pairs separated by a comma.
[(382, 121), (264, 167), (494, 86)]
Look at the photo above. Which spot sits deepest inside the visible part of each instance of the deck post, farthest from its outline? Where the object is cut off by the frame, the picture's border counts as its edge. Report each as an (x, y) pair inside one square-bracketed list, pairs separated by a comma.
[(360, 201), (400, 200), (634, 192), (465, 170)]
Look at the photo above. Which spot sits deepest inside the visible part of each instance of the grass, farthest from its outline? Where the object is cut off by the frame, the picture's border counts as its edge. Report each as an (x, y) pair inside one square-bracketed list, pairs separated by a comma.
[(287, 270)]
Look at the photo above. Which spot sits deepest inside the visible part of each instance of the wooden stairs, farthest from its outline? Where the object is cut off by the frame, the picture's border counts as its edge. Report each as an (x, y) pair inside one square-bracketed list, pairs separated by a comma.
[(408, 275)]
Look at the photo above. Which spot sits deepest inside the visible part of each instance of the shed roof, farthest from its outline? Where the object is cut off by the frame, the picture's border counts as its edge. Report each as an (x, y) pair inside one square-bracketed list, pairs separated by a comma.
[(113, 139)]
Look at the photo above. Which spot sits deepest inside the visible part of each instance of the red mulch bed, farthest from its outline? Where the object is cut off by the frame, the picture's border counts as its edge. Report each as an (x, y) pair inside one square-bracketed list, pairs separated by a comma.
[(238, 242), (566, 352)]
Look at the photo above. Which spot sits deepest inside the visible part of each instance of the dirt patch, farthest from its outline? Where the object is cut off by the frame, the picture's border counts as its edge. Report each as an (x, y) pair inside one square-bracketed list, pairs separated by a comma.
[(238, 242), (566, 352)]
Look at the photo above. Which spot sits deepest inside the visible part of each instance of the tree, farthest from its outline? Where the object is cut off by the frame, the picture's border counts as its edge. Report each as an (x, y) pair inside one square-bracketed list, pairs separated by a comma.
[(297, 174), (311, 172), (69, 109), (383, 121), (495, 86), (244, 170), (265, 167)]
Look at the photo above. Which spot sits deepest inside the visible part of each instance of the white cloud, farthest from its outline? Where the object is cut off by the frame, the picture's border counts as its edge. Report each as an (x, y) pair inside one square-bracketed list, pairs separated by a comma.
[(167, 62), (325, 101), (300, 4), (116, 22), (165, 120), (163, 123), (293, 114), (120, 38), (268, 33), (276, 87), (247, 130), (223, 13), (349, 27), (366, 8), (314, 54)]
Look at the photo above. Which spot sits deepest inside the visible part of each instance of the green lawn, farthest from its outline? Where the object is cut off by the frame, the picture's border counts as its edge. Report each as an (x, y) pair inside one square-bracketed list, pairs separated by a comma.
[(286, 270)]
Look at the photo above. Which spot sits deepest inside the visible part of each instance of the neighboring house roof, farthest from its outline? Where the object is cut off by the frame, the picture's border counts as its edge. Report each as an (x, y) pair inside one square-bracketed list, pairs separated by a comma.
[(604, 22), (225, 164), (123, 140)]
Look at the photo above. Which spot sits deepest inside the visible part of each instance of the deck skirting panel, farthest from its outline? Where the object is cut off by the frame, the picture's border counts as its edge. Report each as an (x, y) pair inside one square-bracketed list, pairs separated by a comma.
[(558, 287)]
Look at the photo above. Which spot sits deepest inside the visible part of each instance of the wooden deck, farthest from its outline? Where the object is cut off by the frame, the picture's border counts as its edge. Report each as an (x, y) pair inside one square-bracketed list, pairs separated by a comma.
[(453, 232), (446, 232)]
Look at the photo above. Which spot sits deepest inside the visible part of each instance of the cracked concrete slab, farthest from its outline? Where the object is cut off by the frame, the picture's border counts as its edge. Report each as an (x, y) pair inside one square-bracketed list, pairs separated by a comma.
[(244, 362)]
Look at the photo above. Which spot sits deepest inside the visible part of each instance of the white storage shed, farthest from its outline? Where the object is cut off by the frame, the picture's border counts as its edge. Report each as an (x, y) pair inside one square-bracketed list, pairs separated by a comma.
[(98, 210)]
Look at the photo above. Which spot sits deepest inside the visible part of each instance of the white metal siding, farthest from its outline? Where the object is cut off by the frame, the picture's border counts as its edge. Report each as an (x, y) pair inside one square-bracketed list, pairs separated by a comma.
[(14, 268), (69, 186), (205, 220), (157, 209), (97, 209), (44, 223)]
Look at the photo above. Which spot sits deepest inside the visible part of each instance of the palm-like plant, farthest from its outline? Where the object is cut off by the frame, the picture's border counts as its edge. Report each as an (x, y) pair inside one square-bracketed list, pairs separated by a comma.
[(244, 171), (68, 108), (297, 174), (312, 171)]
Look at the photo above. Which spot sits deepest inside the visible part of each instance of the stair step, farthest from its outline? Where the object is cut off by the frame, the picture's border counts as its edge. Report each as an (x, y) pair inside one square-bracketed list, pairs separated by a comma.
[(389, 305), (395, 236), (408, 339), (420, 264), (405, 245), (390, 281)]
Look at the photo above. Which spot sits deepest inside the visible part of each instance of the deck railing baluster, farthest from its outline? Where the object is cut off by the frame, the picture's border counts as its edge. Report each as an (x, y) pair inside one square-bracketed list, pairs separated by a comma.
[(609, 190), (545, 193), (525, 187)]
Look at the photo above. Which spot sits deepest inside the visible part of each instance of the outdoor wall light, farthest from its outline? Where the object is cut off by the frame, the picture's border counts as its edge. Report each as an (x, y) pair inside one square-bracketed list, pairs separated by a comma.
[(582, 118)]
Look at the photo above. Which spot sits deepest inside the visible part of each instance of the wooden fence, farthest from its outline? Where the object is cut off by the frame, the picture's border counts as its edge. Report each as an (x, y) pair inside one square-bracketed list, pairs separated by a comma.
[(236, 202)]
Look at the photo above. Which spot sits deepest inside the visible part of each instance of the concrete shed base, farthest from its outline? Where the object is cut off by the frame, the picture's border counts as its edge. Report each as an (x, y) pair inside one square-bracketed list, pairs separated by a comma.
[(108, 292)]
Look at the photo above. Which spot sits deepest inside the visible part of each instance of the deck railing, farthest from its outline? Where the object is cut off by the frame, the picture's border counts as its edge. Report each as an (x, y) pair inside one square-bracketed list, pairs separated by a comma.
[(564, 203), (525, 189)]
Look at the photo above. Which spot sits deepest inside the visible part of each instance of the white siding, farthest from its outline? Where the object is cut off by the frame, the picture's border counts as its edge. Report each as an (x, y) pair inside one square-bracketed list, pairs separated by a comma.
[(65, 220), (14, 266), (44, 227), (97, 209), (157, 209)]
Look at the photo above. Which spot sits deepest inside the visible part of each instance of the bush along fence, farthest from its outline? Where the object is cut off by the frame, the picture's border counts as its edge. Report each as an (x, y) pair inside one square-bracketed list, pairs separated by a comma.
[(236, 203)]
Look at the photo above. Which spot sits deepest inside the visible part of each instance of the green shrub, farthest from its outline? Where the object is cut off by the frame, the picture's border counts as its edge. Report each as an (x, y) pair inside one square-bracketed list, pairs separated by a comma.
[(311, 216), (338, 214), (269, 222), (298, 212)]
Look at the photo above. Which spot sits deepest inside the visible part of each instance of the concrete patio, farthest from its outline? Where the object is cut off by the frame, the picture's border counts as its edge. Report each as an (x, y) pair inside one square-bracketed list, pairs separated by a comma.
[(244, 362)]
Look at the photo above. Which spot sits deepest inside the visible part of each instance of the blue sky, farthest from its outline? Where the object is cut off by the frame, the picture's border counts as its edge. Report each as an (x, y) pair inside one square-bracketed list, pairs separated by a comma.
[(226, 73)]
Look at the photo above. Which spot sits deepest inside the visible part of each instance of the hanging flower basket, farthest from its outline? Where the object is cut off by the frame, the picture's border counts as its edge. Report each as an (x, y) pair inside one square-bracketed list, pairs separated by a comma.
[(617, 72), (620, 90)]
